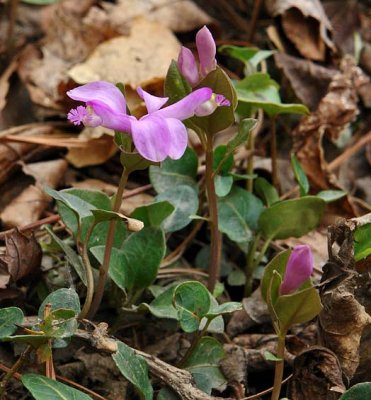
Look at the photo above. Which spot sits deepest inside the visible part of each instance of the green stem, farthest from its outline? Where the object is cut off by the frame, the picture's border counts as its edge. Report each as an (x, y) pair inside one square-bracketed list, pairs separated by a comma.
[(250, 162), (278, 372), (103, 270), (88, 273), (262, 252), (216, 237), (21, 360), (195, 342), (250, 266), (275, 180)]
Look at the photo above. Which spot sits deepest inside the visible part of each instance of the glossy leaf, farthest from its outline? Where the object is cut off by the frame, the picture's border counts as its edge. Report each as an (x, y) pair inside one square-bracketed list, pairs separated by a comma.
[(185, 201), (222, 117), (260, 91), (360, 391), (223, 185), (238, 214), (175, 172), (362, 242), (291, 218), (204, 365), (136, 265), (153, 214), (162, 306), (300, 175), (10, 317), (331, 195), (192, 301), (225, 308), (43, 388), (249, 55), (61, 298), (135, 369), (267, 192)]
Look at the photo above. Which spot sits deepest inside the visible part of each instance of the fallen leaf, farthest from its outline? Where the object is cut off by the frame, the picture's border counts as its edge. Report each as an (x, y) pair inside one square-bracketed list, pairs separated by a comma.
[(28, 206), (305, 25), (308, 80), (177, 15), (335, 111), (344, 318), (4, 82), (317, 375), (23, 255), (130, 60)]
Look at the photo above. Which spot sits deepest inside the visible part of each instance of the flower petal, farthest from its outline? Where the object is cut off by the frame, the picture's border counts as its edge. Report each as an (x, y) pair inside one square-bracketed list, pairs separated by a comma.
[(103, 92), (152, 137), (111, 119), (178, 138), (188, 67), (206, 49), (186, 107), (153, 103)]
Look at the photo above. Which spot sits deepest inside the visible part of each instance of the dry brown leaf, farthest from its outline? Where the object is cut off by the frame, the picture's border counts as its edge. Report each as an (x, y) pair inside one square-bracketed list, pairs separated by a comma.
[(130, 60), (23, 255), (308, 80), (317, 375), (177, 15), (4, 82), (68, 40), (335, 111), (343, 293), (305, 24), (28, 206)]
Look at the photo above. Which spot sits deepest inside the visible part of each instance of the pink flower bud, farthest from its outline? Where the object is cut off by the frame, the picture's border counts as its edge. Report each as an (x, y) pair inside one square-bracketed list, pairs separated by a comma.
[(299, 268), (188, 67), (206, 50)]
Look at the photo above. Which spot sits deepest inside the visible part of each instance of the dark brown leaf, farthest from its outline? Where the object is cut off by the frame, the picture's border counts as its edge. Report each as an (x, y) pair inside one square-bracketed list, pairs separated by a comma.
[(23, 255)]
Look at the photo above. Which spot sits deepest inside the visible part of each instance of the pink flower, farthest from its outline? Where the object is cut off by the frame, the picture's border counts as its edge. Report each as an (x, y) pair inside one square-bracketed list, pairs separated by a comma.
[(299, 268), (157, 135), (206, 49)]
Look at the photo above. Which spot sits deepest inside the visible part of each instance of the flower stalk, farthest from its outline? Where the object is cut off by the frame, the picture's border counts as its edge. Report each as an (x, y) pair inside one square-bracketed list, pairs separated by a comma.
[(103, 270), (278, 371)]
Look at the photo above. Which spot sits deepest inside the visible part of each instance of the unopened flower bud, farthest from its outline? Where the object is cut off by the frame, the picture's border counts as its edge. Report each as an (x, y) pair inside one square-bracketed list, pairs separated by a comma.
[(299, 268), (188, 67), (206, 50)]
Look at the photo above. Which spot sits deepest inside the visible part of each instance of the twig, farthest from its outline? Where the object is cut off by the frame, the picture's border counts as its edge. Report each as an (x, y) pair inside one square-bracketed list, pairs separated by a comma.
[(267, 391), (254, 19)]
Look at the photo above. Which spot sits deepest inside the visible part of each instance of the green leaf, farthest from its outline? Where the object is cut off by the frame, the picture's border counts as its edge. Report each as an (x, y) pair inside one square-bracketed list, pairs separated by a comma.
[(294, 217), (34, 340), (162, 306), (360, 391), (222, 160), (204, 365), (133, 161), (61, 298), (72, 257), (135, 369), (271, 357), (223, 185), (278, 263), (192, 301), (175, 87), (225, 308), (362, 242), (331, 195), (267, 192), (245, 127), (60, 323), (238, 213), (300, 175), (249, 55), (296, 308), (167, 394), (136, 265), (153, 214), (236, 278), (222, 117), (185, 201), (173, 173), (88, 200), (43, 388), (10, 317), (260, 91)]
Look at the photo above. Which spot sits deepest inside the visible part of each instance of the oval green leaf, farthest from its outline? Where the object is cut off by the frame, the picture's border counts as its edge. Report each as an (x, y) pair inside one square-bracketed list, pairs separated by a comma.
[(10, 317)]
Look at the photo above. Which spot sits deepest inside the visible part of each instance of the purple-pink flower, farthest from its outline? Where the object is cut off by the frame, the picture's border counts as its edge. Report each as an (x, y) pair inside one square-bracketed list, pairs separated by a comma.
[(299, 268), (206, 50), (158, 134)]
